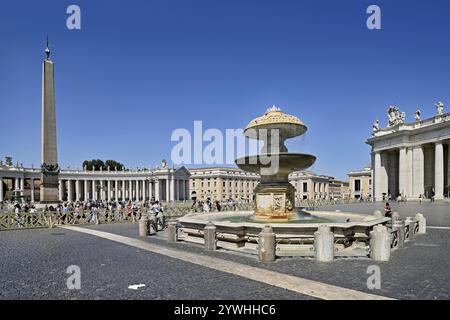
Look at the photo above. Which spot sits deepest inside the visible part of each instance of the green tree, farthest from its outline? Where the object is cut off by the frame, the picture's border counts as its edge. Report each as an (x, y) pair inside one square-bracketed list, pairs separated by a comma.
[(97, 164), (113, 164)]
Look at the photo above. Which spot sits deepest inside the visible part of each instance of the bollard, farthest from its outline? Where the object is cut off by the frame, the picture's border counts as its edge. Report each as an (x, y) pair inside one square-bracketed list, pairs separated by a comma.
[(159, 222), (144, 226), (395, 217), (422, 223), (50, 222), (399, 225), (380, 243), (266, 245), (210, 236), (172, 235), (377, 213), (152, 225), (324, 244), (412, 223)]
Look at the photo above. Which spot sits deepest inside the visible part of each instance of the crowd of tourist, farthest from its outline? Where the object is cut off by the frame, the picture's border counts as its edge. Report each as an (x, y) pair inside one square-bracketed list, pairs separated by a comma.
[(211, 206), (88, 209)]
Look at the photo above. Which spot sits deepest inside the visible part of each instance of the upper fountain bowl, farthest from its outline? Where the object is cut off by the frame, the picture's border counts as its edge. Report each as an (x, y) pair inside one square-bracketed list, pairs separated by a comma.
[(290, 126)]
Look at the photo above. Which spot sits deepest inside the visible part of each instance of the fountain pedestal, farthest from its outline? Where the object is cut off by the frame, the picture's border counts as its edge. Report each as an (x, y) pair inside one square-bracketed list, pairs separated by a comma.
[(275, 201)]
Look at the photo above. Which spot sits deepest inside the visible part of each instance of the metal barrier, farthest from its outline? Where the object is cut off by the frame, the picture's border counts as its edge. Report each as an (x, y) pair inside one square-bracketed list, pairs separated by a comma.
[(26, 220)]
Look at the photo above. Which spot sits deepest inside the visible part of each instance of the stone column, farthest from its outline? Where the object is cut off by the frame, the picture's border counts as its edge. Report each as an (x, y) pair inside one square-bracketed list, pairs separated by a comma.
[(448, 170), (157, 190), (85, 190), (168, 195), (138, 189), (31, 189), (61, 191), (172, 188), (22, 185), (102, 190), (77, 190), (69, 190), (409, 174), (177, 190), (150, 190), (123, 190), (144, 193), (186, 189), (384, 177), (16, 184), (109, 190), (378, 196), (439, 171), (402, 172), (418, 173), (1, 190), (116, 188), (94, 193), (130, 190)]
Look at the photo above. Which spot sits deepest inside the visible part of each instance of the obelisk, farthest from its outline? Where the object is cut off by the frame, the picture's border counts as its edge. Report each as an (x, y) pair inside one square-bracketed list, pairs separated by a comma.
[(49, 161)]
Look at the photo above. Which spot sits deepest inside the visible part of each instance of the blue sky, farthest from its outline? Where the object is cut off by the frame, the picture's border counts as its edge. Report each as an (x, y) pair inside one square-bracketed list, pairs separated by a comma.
[(137, 70)]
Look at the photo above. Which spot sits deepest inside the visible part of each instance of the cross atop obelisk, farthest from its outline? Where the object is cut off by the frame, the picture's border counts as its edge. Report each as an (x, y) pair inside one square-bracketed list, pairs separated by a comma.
[(49, 160)]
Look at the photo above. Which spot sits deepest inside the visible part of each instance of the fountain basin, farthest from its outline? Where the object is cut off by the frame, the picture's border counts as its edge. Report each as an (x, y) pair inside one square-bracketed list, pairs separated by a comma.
[(294, 238), (287, 162)]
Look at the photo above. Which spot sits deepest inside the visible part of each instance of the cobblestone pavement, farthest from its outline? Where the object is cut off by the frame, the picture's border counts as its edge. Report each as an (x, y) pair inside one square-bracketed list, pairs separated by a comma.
[(437, 213), (34, 263), (418, 271)]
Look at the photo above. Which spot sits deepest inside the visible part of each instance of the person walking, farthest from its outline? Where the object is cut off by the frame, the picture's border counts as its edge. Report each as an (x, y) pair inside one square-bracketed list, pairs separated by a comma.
[(387, 210)]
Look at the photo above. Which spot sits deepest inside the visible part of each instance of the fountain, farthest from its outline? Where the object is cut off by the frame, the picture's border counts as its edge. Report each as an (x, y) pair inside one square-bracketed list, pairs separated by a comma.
[(275, 195), (347, 233)]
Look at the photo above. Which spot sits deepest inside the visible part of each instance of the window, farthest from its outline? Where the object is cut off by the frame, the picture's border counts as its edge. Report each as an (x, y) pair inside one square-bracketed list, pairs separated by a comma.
[(357, 185), (305, 186)]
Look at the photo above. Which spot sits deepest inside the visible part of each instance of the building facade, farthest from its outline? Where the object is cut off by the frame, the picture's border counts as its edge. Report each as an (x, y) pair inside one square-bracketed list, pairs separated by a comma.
[(360, 183), (223, 183), (411, 159), (338, 190), (161, 183)]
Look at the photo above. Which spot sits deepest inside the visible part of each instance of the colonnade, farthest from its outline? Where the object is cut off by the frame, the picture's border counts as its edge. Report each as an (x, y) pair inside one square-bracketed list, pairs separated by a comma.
[(123, 189), (19, 186), (412, 171)]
